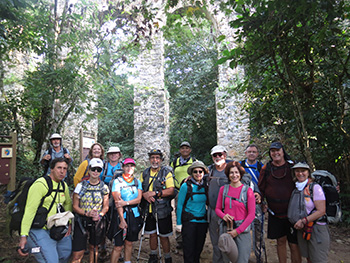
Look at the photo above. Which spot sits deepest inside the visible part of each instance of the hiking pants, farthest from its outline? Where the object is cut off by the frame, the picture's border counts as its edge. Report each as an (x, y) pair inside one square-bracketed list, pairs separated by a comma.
[(193, 238), (214, 226), (51, 251)]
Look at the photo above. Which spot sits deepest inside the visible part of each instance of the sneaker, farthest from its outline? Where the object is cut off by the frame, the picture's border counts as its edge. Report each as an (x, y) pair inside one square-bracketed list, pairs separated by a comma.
[(168, 260), (153, 258)]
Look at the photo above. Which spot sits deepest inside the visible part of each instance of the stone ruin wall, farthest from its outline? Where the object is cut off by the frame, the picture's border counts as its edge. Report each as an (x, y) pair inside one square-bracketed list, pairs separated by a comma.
[(151, 107)]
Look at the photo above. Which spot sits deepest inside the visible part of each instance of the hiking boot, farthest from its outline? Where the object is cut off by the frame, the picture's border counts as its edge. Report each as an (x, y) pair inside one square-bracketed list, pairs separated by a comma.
[(153, 258), (168, 260)]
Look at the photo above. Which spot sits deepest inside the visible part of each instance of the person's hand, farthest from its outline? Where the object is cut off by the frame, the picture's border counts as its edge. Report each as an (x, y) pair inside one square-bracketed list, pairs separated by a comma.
[(299, 224), (149, 196), (21, 245), (123, 224), (257, 198), (47, 157), (66, 155), (264, 207), (228, 218), (120, 203), (233, 233)]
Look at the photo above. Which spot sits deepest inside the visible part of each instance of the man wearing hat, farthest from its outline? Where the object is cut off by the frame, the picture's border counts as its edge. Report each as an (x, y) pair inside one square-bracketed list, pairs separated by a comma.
[(276, 186), (56, 150), (180, 165), (113, 166), (217, 178), (158, 190), (38, 240)]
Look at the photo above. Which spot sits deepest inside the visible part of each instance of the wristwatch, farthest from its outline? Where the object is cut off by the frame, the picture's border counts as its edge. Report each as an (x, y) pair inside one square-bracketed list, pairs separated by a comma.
[(157, 193), (127, 203)]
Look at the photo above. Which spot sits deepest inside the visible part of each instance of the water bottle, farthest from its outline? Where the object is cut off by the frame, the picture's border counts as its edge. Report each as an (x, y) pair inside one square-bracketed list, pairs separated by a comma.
[(15, 208)]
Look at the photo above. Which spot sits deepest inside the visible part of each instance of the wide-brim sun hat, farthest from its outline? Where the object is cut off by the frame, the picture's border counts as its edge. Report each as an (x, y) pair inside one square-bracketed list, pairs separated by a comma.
[(228, 246), (96, 162), (197, 164), (55, 136), (218, 149), (301, 166), (113, 149), (129, 160)]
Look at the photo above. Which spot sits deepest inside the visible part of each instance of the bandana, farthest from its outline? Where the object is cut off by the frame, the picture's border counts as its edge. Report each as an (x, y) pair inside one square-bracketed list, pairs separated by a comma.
[(128, 177), (301, 185)]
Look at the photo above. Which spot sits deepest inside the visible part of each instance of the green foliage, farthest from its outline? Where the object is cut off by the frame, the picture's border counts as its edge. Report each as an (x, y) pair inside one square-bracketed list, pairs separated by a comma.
[(296, 60), (115, 115), (191, 77)]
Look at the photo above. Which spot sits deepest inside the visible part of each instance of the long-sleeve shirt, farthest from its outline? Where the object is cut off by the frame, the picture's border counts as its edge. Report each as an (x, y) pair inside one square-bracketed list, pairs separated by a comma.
[(36, 192), (238, 209), (196, 207)]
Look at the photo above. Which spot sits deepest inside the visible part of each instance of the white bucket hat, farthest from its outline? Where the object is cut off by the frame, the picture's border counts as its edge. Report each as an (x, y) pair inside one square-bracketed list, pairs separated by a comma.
[(228, 246), (59, 219), (113, 149)]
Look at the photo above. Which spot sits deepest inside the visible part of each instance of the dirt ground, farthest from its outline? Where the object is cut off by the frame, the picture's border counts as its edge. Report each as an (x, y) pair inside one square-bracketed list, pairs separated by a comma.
[(340, 244)]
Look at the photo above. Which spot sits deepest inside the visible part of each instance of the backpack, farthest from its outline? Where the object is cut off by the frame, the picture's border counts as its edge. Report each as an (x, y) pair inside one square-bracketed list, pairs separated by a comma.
[(47, 162), (84, 188), (242, 199), (186, 216), (18, 200), (328, 182), (296, 206)]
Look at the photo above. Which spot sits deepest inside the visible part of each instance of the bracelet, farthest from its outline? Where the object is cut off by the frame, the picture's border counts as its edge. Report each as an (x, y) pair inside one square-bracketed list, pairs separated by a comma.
[(306, 221)]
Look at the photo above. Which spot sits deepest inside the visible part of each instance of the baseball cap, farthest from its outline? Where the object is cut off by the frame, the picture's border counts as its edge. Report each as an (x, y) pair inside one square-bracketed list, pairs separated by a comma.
[(276, 145), (96, 162), (129, 160), (185, 144), (218, 149)]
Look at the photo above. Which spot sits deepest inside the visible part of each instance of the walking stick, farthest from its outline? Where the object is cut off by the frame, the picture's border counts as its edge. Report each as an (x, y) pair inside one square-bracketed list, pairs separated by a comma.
[(157, 230), (142, 235)]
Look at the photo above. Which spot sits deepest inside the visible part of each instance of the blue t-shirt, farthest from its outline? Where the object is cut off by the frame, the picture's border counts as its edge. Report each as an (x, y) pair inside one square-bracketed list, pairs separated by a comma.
[(55, 155), (110, 172), (252, 169), (128, 191)]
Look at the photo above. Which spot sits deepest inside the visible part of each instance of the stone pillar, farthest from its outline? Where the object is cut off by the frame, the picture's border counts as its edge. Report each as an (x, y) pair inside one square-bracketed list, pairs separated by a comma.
[(231, 119), (151, 105)]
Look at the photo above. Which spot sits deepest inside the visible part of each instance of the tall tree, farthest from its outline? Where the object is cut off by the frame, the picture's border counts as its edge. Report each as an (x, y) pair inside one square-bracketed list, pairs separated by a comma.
[(296, 59)]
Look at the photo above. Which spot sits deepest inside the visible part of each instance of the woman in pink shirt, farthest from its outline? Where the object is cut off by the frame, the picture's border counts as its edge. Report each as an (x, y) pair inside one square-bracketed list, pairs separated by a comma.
[(238, 209)]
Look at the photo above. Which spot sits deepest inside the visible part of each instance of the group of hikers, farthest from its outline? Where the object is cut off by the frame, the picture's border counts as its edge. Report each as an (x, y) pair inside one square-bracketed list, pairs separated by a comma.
[(227, 198)]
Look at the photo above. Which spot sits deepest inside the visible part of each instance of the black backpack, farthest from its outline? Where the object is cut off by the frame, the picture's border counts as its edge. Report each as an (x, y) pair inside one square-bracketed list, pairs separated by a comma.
[(18, 200), (328, 182)]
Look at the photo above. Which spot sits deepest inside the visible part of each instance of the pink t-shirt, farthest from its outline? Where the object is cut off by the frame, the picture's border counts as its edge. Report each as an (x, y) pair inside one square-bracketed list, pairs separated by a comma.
[(238, 210), (318, 194)]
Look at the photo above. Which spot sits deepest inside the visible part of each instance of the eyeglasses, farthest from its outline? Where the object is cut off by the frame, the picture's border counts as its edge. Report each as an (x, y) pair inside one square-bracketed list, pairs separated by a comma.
[(198, 171), (98, 169), (217, 154)]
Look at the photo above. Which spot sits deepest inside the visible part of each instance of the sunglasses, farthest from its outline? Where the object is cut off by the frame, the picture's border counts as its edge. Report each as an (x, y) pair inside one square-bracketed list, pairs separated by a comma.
[(98, 169), (197, 171), (217, 154)]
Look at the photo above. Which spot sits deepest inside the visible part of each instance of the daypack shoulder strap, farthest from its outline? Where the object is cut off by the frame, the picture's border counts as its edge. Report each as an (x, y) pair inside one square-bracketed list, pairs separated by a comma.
[(242, 196)]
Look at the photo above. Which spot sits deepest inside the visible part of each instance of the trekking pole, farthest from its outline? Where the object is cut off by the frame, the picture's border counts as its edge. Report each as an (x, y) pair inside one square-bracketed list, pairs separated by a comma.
[(157, 230), (142, 234), (262, 247)]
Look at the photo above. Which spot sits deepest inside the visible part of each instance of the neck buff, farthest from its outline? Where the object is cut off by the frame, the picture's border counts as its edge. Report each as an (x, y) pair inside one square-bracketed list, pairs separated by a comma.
[(128, 177), (301, 185)]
